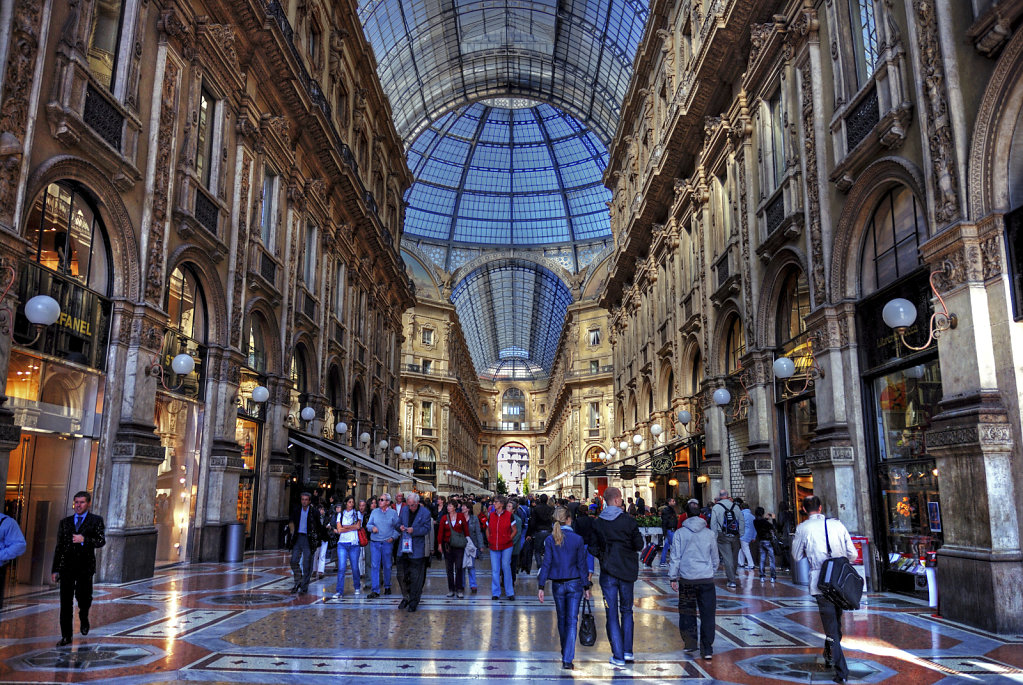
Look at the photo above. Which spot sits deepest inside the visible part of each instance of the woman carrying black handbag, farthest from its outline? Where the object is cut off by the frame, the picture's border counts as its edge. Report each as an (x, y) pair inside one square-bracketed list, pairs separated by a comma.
[(564, 562)]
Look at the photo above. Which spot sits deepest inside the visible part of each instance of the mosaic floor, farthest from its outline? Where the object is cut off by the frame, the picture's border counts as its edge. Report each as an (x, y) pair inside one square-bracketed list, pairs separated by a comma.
[(237, 623)]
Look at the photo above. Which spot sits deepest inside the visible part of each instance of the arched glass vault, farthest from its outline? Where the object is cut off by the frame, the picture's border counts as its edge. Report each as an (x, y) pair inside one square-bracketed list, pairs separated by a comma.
[(512, 312)]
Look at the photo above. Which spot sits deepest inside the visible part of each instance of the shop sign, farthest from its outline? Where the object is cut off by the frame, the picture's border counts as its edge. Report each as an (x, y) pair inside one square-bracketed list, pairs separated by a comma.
[(82, 331)]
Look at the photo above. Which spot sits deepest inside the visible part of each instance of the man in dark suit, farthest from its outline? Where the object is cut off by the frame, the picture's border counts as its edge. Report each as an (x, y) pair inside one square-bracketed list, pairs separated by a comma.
[(306, 533), (74, 563)]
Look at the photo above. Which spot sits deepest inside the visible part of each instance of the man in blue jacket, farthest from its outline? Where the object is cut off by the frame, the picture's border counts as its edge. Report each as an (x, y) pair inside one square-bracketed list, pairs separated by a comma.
[(12, 546), (414, 525)]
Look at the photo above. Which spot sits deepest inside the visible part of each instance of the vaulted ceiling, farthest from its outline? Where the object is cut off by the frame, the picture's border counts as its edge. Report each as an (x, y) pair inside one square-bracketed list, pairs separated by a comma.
[(506, 108)]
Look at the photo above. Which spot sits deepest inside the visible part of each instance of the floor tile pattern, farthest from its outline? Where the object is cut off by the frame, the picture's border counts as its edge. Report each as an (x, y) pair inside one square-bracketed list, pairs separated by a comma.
[(221, 623)]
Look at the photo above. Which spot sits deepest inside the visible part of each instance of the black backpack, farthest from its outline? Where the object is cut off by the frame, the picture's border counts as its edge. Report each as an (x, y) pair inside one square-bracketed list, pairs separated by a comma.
[(731, 523)]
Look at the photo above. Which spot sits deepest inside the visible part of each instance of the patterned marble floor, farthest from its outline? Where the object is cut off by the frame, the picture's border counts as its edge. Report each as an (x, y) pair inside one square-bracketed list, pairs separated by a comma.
[(220, 623)]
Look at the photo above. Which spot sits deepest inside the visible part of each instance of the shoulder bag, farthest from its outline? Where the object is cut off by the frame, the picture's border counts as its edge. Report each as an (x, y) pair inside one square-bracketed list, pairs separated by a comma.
[(839, 582), (587, 626), (457, 538), (363, 535)]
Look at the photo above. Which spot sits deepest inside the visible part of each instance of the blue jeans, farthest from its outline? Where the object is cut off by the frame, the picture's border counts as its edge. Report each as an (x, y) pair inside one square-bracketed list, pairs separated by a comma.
[(381, 552), (501, 560), (697, 599), (667, 546), (590, 560), (470, 574), (618, 607), (567, 597), (766, 551), (351, 552)]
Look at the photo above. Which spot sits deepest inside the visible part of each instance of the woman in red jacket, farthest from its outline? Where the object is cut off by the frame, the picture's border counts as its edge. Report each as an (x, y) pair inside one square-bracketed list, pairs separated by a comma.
[(452, 533), (501, 536)]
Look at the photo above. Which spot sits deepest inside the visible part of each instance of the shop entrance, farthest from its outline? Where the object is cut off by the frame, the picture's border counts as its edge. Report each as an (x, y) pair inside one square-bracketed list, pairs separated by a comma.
[(45, 472)]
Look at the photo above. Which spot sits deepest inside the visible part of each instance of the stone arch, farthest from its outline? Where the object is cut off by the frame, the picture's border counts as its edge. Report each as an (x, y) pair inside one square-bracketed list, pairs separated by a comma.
[(334, 385), (719, 337), (993, 133), (217, 326), (859, 205), (500, 255), (646, 399), (692, 357), (258, 306), (358, 399), (770, 289), (631, 411), (376, 409), (124, 247), (303, 344), (665, 386)]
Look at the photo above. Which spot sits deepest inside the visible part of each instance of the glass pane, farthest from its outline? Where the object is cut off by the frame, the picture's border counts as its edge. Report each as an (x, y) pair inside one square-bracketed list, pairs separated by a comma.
[(904, 215), (907, 400), (106, 33), (204, 147), (884, 233)]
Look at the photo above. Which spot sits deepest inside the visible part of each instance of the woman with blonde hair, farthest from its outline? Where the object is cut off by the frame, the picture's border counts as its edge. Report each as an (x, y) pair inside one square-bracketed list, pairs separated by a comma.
[(564, 563)]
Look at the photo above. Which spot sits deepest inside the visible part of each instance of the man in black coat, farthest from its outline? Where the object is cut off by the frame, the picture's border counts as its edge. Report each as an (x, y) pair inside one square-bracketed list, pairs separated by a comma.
[(619, 540), (541, 523), (306, 531), (74, 564)]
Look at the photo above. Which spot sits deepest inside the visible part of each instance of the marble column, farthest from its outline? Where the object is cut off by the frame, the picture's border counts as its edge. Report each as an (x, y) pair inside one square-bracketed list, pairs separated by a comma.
[(219, 477), (757, 464), (980, 565), (135, 452), (838, 479)]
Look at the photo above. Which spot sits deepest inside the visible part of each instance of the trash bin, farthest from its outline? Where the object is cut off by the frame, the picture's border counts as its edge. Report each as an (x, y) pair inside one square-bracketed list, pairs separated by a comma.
[(234, 542), (801, 571)]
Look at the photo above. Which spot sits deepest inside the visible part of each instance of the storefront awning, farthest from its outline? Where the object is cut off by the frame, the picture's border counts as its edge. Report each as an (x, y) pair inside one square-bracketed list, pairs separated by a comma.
[(345, 455)]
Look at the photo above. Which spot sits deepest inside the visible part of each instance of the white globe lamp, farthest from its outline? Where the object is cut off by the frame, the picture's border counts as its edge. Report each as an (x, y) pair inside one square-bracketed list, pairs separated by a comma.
[(612, 451), (684, 417), (656, 430), (382, 444), (308, 414), (42, 310), (784, 367), (899, 313), (364, 438), (623, 445), (397, 450), (722, 396), (637, 439), (341, 428), (183, 364), (260, 394)]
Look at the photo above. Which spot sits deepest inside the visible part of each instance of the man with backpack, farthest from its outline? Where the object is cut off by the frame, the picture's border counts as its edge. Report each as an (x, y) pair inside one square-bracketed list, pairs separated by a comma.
[(726, 521)]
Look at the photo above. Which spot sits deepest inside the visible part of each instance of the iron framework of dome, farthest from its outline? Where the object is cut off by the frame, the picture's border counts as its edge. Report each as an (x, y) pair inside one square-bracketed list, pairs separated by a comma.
[(575, 54), (512, 312), (507, 177)]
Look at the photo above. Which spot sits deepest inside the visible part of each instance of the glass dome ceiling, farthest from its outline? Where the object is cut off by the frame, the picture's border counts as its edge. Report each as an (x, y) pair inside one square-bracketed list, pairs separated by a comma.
[(507, 177)]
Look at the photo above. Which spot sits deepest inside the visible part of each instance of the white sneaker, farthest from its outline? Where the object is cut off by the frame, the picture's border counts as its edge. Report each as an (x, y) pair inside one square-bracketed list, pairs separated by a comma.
[(337, 595), (358, 592)]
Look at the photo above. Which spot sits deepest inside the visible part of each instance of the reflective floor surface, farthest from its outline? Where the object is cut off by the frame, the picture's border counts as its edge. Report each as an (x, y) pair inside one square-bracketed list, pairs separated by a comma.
[(238, 623)]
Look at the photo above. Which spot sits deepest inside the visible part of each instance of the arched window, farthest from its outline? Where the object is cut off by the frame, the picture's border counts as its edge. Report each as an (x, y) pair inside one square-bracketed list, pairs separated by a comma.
[(735, 345), (513, 408), (891, 247), (186, 304), (793, 307), (426, 453), (256, 345), (541, 478), (299, 371), (696, 375), (67, 236)]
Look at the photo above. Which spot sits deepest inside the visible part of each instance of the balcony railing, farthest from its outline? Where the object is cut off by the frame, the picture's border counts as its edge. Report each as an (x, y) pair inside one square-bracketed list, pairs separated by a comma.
[(102, 117)]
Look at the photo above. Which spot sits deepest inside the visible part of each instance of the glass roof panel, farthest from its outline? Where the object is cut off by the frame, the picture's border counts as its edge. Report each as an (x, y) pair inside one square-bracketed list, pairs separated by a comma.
[(576, 54), (501, 177)]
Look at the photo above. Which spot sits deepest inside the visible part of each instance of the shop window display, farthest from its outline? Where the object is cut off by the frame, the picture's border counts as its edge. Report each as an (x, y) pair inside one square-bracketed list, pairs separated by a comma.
[(179, 425), (907, 477)]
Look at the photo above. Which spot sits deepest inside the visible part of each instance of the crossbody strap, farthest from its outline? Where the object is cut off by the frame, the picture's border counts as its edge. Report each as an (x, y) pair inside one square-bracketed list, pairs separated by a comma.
[(826, 540)]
